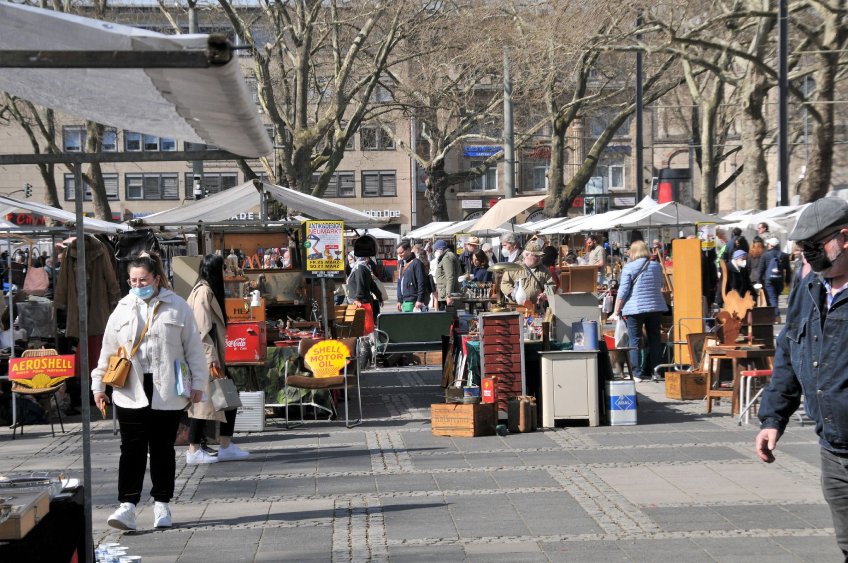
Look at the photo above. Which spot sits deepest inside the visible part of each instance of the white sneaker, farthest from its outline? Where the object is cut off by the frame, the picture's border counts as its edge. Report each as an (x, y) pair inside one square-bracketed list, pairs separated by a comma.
[(637, 379), (199, 457), (232, 453), (161, 515), (124, 517)]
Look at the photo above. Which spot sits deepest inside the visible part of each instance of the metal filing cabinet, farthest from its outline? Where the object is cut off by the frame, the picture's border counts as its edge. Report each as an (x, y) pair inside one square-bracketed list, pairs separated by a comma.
[(569, 387)]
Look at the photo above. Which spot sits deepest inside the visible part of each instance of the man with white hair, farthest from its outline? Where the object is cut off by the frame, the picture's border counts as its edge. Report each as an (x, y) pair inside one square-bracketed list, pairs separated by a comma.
[(510, 249), (775, 273)]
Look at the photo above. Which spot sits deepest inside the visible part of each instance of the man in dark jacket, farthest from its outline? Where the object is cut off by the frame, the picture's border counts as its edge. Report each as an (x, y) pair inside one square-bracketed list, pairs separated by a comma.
[(412, 284), (812, 355), (472, 244), (775, 273)]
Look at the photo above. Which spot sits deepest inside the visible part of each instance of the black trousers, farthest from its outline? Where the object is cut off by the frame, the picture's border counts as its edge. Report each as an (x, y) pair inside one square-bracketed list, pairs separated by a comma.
[(197, 427), (146, 430), (834, 481)]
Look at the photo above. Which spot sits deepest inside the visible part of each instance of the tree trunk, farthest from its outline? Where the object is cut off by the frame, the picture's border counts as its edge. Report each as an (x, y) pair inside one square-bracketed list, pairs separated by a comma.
[(555, 204), (820, 163), (435, 188), (94, 174), (755, 178)]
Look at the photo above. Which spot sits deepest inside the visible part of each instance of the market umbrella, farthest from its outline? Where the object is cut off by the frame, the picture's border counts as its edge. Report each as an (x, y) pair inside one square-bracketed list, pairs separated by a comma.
[(503, 211)]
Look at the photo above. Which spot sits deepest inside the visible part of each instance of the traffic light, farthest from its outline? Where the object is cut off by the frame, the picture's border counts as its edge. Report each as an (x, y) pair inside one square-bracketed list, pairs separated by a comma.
[(28, 190)]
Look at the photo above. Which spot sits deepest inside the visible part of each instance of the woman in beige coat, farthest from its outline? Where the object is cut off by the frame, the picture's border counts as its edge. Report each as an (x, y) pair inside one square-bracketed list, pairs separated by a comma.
[(207, 303)]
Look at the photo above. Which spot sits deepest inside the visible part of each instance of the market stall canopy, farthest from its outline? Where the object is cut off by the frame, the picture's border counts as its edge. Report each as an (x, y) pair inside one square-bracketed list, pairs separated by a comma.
[(376, 233), (225, 205), (448, 228), (503, 211), (209, 105), (429, 230), (89, 223), (664, 215)]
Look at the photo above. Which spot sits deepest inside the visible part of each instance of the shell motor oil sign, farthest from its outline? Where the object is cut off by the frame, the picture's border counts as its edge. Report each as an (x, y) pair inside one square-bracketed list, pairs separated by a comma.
[(327, 358)]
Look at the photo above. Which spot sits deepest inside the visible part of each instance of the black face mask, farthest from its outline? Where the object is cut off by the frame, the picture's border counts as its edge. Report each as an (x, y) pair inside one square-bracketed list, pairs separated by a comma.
[(816, 255)]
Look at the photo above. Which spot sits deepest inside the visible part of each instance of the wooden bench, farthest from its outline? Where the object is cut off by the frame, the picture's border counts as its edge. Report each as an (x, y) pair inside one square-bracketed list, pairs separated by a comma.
[(412, 332)]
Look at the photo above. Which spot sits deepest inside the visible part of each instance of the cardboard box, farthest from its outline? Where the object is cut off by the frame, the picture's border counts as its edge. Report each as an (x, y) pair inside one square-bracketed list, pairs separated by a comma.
[(27, 510), (463, 420), (237, 312), (428, 358), (684, 386)]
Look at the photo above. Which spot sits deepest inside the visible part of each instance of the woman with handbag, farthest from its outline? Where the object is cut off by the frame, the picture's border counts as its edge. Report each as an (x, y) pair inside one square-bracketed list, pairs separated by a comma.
[(641, 301), (207, 303), (156, 329)]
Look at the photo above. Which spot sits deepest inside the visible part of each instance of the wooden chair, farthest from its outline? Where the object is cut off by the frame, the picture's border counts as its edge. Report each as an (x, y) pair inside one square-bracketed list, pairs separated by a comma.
[(40, 390), (308, 382), (349, 322)]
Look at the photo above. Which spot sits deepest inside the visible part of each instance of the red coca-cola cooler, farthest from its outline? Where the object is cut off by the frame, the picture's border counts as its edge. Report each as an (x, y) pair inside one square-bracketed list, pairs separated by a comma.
[(246, 343)]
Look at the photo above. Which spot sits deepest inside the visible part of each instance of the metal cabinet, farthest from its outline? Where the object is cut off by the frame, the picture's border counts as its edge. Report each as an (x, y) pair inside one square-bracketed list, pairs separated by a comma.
[(569, 387)]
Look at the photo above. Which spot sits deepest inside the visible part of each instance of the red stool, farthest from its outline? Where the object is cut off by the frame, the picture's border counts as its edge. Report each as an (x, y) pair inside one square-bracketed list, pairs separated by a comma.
[(746, 380)]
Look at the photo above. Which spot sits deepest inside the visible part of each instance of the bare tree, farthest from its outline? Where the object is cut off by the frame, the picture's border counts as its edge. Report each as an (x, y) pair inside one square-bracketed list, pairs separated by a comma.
[(318, 65), (39, 124)]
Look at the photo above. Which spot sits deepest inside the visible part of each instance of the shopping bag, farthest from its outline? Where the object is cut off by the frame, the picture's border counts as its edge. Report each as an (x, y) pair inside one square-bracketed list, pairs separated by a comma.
[(182, 375), (369, 318), (224, 395), (622, 338)]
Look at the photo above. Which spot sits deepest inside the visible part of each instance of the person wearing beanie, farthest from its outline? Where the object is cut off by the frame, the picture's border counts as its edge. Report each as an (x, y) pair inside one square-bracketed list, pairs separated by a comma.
[(775, 273), (738, 274)]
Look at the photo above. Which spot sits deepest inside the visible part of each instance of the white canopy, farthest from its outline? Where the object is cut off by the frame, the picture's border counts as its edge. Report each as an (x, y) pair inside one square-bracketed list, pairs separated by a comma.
[(504, 210), (664, 215), (244, 198), (447, 228), (428, 230), (201, 105), (376, 233), (89, 223)]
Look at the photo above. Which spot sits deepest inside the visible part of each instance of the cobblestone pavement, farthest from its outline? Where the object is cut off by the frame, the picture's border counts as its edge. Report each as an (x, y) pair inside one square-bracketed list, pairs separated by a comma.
[(681, 484)]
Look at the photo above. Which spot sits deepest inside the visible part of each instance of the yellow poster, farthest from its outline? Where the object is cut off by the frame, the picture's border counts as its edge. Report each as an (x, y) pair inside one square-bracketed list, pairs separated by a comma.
[(707, 234), (324, 245)]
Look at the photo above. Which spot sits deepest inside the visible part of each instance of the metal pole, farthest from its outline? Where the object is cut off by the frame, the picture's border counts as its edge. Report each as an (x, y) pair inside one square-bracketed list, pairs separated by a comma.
[(324, 304), (85, 384), (639, 119), (196, 165), (783, 107), (508, 131), (10, 328)]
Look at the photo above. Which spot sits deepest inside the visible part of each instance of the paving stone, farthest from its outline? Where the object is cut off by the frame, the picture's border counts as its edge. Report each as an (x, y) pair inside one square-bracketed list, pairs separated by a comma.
[(654, 550), (428, 554), (688, 519), (464, 481), (734, 549), (405, 483), (814, 549), (584, 551)]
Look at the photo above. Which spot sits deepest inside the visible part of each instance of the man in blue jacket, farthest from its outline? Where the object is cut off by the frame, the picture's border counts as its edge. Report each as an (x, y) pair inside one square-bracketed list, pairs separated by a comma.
[(812, 355), (412, 283)]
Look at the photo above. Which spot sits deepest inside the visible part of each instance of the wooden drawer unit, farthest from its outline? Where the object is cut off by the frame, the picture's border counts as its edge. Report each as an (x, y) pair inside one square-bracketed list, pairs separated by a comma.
[(502, 354)]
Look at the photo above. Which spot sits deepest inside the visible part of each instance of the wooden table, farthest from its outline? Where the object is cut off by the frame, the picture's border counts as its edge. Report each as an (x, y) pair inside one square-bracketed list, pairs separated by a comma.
[(740, 358)]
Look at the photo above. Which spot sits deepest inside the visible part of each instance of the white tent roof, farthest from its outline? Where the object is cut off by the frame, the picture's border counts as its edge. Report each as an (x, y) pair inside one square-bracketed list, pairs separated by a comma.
[(504, 210), (428, 230), (201, 105), (89, 223), (376, 233), (664, 215), (224, 205), (446, 228)]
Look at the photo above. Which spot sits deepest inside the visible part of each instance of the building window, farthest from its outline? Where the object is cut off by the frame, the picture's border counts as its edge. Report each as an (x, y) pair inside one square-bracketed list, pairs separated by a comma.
[(152, 186), (110, 182), (534, 176), (342, 184), (486, 182), (212, 183), (374, 138), (379, 184), (138, 142), (109, 143), (612, 169), (73, 138)]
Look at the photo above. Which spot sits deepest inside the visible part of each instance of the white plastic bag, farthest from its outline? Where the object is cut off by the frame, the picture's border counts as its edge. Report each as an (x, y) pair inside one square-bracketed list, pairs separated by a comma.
[(622, 338)]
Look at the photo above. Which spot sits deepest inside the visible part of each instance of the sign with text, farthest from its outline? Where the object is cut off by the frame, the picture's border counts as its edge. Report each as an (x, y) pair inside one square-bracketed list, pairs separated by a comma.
[(327, 358), (42, 370), (707, 234), (324, 245)]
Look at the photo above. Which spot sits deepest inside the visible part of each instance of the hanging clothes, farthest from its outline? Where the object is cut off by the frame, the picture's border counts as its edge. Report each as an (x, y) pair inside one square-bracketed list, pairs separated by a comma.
[(102, 285)]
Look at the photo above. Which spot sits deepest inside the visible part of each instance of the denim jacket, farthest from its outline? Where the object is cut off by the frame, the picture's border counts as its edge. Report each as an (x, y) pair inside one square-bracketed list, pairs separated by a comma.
[(812, 358)]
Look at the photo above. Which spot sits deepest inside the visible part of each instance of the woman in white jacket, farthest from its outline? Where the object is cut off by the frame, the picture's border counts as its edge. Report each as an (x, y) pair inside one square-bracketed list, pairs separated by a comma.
[(148, 405)]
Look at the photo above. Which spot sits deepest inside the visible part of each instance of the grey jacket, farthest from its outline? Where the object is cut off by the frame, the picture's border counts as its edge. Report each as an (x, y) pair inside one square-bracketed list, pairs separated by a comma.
[(446, 275)]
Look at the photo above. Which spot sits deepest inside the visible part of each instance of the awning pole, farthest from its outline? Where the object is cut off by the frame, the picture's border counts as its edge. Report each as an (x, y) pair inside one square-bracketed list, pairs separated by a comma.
[(82, 346)]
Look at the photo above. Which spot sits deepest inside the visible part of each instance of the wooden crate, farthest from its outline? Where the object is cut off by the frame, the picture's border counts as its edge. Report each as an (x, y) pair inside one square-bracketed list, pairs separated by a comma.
[(27, 510), (428, 358), (463, 420), (684, 386)]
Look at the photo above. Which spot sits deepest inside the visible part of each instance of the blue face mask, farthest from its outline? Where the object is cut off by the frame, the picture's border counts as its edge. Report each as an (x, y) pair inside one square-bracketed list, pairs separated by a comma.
[(145, 292)]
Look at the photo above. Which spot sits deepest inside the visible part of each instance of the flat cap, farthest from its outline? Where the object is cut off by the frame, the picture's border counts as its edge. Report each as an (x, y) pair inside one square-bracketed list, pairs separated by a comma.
[(440, 245), (819, 217)]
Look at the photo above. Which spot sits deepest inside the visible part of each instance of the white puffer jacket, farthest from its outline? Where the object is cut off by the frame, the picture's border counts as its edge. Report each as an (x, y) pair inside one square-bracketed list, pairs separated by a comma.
[(172, 336)]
